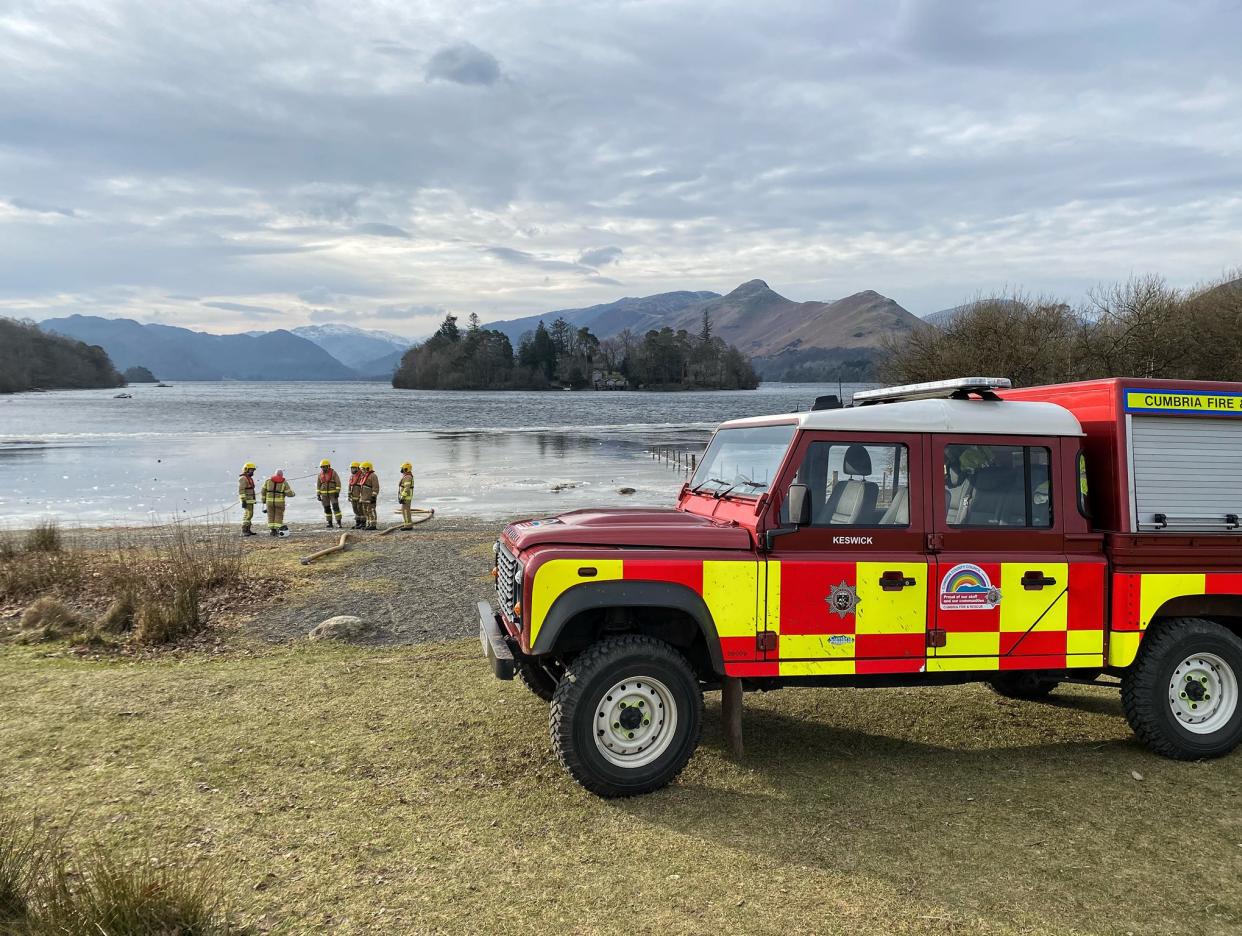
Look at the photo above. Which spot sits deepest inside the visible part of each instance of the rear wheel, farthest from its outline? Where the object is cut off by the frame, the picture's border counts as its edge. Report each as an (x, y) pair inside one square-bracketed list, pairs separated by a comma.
[(539, 678), (1181, 695), (626, 716), (1023, 685)]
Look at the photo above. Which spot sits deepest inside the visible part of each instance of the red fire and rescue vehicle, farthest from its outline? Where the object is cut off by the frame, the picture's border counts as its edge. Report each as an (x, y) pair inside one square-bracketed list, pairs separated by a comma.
[(931, 534)]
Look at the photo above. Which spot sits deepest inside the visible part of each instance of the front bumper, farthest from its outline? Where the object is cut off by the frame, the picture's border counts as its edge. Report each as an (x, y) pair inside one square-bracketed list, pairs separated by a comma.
[(495, 647)]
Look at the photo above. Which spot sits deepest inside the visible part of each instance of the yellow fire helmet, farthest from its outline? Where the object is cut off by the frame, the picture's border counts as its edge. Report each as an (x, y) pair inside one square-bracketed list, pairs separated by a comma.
[(249, 466), (406, 466), (354, 464), (367, 465), (325, 464)]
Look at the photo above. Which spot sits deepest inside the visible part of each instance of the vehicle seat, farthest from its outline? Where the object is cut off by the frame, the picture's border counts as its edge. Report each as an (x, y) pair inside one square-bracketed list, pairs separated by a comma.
[(898, 512), (852, 501), (998, 498)]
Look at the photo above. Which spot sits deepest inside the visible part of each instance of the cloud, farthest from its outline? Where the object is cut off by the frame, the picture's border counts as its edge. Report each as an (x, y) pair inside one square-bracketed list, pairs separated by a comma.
[(465, 64), (332, 315), (24, 204), (250, 310), (926, 149), (376, 229), (317, 295), (400, 312), (600, 256)]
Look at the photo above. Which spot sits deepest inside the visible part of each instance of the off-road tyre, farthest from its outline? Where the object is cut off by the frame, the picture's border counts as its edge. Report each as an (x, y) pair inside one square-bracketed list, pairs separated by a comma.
[(1030, 684), (630, 667), (1148, 693), (537, 679)]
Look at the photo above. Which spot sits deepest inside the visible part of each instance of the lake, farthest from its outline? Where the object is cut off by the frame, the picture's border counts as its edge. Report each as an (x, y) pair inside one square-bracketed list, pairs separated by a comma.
[(86, 458)]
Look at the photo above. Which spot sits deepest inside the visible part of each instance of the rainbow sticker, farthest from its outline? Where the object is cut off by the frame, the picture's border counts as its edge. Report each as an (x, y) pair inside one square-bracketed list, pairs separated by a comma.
[(966, 587)]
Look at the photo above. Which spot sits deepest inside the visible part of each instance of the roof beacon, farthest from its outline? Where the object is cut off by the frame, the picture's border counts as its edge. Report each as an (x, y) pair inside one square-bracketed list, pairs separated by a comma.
[(960, 388)]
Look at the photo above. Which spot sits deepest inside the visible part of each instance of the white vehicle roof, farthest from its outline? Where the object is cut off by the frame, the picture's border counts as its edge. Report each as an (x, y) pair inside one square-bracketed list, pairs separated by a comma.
[(989, 417)]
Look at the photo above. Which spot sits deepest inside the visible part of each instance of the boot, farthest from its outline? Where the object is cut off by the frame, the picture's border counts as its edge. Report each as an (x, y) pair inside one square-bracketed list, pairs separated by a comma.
[(283, 528), (275, 532), (246, 531), (407, 527), (329, 523), (338, 522)]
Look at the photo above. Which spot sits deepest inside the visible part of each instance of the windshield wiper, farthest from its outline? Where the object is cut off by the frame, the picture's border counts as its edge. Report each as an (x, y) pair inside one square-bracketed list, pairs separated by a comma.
[(702, 484), (755, 484)]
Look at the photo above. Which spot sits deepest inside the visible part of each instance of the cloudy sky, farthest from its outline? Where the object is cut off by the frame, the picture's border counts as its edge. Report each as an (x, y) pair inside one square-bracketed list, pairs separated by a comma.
[(237, 165)]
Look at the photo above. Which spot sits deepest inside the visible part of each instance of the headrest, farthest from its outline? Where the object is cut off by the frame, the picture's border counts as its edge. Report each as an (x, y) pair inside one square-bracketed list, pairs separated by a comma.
[(996, 478), (857, 460)]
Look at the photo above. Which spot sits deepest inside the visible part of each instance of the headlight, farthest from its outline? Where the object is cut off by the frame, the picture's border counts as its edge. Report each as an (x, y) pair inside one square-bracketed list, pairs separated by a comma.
[(496, 549), (517, 575)]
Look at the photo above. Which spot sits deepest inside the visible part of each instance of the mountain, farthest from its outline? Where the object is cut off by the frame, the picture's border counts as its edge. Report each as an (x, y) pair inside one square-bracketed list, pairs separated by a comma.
[(821, 340), (357, 348), (31, 359), (182, 354), (610, 318)]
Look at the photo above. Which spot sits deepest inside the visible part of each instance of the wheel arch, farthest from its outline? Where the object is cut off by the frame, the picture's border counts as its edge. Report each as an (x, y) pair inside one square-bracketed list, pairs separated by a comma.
[(584, 609), (1224, 609)]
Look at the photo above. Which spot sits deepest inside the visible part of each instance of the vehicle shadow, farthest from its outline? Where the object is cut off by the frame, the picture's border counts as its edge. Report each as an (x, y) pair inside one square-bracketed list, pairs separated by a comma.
[(997, 809)]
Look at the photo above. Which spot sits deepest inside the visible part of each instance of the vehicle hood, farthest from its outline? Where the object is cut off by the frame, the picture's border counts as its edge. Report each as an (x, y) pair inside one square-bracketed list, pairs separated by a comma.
[(656, 527)]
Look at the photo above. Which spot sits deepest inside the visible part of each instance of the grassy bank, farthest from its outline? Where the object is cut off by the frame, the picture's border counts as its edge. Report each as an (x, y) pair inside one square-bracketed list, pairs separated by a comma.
[(404, 790)]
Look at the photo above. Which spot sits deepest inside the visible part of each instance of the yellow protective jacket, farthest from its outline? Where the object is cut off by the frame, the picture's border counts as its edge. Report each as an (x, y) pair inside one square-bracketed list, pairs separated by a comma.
[(275, 492), (245, 488), (405, 489), (328, 483)]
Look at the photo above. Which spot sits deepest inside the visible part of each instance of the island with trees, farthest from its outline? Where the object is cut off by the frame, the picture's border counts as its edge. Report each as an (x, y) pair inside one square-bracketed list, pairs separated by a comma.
[(31, 359), (139, 374), (560, 356)]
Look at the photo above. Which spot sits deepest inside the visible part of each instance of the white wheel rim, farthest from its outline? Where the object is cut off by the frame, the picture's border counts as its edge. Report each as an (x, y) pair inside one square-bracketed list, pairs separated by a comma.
[(635, 722), (1203, 693)]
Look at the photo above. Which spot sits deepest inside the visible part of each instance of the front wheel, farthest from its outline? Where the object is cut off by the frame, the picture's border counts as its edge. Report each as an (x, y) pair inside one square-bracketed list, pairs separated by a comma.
[(539, 678), (1181, 695), (626, 716)]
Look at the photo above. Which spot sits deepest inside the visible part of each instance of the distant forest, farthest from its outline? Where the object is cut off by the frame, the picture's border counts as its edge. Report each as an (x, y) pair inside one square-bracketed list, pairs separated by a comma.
[(551, 357), (31, 359), (1140, 328)]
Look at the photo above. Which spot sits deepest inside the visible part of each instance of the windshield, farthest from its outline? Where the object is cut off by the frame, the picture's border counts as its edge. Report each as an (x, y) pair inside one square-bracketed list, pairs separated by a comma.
[(743, 461)]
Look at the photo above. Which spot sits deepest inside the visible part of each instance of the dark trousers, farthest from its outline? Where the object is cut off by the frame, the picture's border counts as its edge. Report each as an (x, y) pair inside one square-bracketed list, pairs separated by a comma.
[(331, 505)]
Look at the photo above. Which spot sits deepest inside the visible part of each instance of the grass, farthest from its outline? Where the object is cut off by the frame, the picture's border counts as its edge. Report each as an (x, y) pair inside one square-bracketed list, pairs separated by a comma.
[(149, 586), (97, 893), (406, 790)]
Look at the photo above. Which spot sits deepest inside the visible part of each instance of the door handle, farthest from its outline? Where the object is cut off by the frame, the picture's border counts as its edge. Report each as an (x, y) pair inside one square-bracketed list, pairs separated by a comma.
[(1034, 581), (896, 581)]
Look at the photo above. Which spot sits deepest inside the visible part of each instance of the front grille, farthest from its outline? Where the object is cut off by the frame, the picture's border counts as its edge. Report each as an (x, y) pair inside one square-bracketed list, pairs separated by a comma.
[(506, 567)]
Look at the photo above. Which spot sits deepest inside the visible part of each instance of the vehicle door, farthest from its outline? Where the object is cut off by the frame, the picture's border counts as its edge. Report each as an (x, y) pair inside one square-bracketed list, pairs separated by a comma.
[(1002, 574), (847, 593)]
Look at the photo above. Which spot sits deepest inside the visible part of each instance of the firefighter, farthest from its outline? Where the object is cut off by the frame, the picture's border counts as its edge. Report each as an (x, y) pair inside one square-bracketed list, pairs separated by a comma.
[(275, 490), (405, 495), (245, 490), (368, 494), (328, 490), (355, 492)]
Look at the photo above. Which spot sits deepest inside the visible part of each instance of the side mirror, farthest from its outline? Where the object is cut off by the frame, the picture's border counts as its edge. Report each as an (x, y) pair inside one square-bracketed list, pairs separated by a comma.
[(799, 504)]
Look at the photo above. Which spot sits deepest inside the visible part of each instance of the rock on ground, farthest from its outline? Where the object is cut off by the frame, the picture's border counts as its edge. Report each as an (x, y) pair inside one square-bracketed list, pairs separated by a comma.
[(341, 627)]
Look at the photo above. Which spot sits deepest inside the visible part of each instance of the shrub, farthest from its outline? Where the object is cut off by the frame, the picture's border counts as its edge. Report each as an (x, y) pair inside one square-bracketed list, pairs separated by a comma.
[(48, 619), (99, 894), (19, 863), (160, 620), (26, 574), (119, 618), (103, 894), (44, 538)]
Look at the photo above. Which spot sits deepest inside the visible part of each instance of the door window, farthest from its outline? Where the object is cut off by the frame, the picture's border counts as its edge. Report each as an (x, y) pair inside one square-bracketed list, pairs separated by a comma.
[(997, 486), (856, 484)]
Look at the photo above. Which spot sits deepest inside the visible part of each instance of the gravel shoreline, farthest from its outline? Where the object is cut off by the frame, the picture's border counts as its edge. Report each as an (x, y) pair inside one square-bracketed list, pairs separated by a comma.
[(408, 586)]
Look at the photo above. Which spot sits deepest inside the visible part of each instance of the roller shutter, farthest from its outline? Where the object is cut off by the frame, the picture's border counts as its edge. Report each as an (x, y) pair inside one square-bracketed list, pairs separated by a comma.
[(1190, 470)]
